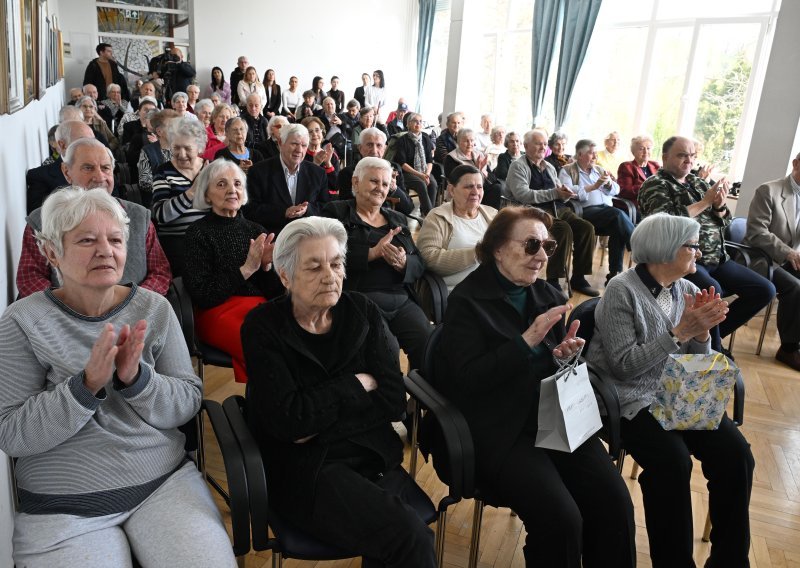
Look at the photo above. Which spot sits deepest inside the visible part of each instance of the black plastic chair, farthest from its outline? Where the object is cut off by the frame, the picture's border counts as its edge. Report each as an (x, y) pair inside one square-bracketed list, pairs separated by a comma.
[(205, 354), (431, 293), (751, 257), (288, 541)]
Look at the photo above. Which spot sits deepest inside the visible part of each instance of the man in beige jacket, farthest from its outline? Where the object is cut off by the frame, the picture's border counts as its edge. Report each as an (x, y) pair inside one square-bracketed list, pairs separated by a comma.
[(773, 225)]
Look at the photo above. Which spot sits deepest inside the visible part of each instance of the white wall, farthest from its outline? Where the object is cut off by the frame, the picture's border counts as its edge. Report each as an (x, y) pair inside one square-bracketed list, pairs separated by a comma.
[(276, 35), (79, 29)]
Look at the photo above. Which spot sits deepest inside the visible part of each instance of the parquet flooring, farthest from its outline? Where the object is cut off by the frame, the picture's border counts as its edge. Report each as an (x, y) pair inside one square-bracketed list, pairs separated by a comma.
[(772, 426)]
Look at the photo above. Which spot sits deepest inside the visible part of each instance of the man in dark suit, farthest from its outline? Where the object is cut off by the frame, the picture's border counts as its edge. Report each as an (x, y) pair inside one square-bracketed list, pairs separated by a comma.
[(42, 181), (286, 187)]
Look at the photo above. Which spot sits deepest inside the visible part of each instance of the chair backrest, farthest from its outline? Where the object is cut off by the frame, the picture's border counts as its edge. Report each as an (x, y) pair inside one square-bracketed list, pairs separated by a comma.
[(431, 294), (736, 230), (181, 303), (432, 345), (584, 313)]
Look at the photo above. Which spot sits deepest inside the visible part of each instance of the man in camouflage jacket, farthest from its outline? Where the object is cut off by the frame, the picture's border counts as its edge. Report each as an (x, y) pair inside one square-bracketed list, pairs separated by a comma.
[(676, 191)]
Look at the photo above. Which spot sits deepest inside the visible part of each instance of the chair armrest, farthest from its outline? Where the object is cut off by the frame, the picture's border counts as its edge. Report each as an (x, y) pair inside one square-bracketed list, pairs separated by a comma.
[(457, 439), (437, 289), (738, 400), (234, 473), (181, 304), (610, 399), (626, 205), (256, 476), (747, 253)]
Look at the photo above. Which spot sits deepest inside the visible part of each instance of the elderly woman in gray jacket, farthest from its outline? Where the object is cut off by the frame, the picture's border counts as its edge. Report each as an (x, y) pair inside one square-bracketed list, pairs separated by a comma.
[(646, 314)]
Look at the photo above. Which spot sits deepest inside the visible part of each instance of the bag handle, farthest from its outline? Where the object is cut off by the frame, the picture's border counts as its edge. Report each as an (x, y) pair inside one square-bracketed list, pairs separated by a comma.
[(568, 367)]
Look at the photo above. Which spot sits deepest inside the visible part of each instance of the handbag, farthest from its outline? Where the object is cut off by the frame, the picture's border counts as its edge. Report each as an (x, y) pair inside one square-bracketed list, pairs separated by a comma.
[(694, 391), (568, 412)]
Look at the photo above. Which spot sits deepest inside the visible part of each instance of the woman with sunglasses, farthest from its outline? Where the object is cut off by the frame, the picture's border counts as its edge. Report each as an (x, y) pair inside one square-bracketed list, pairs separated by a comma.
[(646, 314), (448, 237), (503, 332)]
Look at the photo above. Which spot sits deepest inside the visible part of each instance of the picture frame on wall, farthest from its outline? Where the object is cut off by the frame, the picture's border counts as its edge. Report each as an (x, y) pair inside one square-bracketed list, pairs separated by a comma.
[(29, 16), (12, 96), (43, 50)]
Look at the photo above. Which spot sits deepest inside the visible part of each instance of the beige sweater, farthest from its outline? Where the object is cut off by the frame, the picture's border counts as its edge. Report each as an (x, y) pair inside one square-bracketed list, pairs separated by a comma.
[(434, 239)]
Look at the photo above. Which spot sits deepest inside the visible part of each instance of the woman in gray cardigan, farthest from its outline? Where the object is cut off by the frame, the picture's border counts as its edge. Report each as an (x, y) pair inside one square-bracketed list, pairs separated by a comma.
[(646, 314)]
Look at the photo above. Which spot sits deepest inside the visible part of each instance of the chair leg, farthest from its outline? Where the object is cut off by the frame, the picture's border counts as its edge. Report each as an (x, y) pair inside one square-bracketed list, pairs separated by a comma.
[(733, 338), (277, 560), (621, 460), (475, 541), (767, 314), (414, 443), (240, 561), (441, 526), (635, 471), (707, 529)]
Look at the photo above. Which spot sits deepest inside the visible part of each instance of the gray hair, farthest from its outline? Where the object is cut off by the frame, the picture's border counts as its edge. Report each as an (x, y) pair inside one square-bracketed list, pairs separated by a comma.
[(463, 133), (658, 237), (66, 208), (328, 99), (250, 96), (371, 163), (555, 137), (113, 87), (528, 138), (293, 129), (70, 112), (66, 131), (79, 102), (69, 155), (507, 139), (233, 120), (275, 119), (207, 175), (203, 103), (584, 145), (374, 133), (641, 139), (179, 95), (188, 127), (352, 103), (284, 255)]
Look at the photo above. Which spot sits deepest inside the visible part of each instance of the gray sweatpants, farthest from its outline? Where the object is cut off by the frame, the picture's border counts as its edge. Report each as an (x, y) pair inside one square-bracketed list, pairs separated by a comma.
[(177, 526)]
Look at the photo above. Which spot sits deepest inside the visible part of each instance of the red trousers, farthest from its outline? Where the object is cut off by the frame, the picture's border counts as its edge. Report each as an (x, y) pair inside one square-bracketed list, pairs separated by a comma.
[(219, 327)]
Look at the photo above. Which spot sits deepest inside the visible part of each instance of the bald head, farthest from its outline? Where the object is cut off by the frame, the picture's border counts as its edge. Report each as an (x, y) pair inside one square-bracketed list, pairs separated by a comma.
[(69, 131)]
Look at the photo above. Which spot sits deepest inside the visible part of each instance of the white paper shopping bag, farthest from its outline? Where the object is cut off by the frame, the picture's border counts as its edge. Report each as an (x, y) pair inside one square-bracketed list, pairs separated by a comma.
[(568, 412)]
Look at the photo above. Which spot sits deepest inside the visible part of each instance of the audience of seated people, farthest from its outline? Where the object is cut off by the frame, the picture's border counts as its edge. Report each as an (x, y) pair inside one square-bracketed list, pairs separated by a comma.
[(173, 188), (89, 164), (594, 188), (532, 180), (225, 257)]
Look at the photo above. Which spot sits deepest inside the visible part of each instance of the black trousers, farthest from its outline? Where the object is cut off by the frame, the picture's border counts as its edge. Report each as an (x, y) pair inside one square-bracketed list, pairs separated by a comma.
[(787, 283), (613, 222), (426, 193), (575, 233), (407, 322), (665, 458), (576, 508), (370, 517)]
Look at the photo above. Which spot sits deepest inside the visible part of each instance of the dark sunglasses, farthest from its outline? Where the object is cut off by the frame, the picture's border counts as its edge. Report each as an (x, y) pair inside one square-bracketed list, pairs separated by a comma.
[(532, 246)]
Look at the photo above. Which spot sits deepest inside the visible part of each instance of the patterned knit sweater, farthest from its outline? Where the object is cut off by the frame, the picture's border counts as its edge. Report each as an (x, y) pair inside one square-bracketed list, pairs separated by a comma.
[(631, 341), (85, 454)]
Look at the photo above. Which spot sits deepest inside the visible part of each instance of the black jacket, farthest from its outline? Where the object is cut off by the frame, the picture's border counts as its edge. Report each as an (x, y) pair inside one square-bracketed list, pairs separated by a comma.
[(94, 75), (358, 243), (291, 395), (41, 182), (269, 195), (405, 148), (483, 367)]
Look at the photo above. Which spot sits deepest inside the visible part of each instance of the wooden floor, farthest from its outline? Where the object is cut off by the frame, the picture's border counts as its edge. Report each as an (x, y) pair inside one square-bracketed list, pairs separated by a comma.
[(772, 426)]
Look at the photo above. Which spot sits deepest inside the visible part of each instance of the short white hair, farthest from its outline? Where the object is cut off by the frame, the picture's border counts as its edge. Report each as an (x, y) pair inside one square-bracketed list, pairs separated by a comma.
[(66, 130), (207, 175), (70, 112), (113, 87), (69, 155), (179, 95), (275, 119), (89, 98), (188, 127), (293, 130), (203, 103), (371, 163), (373, 133), (657, 238), (66, 208), (284, 255)]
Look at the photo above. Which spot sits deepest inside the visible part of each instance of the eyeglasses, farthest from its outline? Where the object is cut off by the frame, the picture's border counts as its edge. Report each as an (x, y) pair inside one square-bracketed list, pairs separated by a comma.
[(693, 246), (532, 246)]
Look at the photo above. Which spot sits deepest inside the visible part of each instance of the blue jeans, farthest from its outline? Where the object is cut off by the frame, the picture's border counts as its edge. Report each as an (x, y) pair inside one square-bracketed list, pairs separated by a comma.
[(754, 292)]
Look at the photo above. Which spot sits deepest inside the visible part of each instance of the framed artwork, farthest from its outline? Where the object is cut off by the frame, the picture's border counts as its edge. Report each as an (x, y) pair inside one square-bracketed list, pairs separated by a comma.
[(12, 96), (43, 49), (29, 15)]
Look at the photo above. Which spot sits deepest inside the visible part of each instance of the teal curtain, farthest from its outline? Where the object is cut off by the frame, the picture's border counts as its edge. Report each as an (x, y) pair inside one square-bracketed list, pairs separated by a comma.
[(579, 19), (427, 11), (546, 17)]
